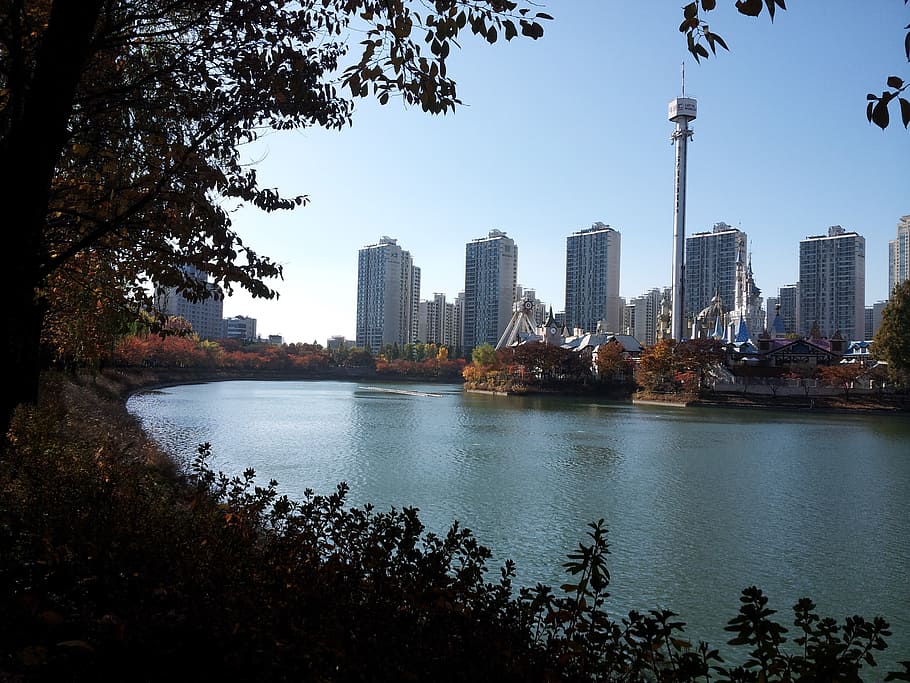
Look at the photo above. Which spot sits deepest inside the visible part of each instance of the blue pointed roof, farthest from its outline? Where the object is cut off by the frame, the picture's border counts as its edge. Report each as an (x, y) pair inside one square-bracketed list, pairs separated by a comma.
[(742, 334), (777, 327), (718, 327)]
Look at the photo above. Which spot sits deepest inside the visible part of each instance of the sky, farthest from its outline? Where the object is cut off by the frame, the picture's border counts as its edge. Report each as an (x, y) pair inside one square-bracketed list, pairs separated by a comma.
[(571, 129)]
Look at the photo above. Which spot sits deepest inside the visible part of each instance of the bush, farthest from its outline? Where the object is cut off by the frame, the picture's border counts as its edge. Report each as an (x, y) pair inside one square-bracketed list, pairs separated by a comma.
[(117, 567)]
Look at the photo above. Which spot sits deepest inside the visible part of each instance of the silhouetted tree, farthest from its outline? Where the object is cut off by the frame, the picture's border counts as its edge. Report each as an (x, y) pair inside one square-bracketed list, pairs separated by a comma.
[(120, 123)]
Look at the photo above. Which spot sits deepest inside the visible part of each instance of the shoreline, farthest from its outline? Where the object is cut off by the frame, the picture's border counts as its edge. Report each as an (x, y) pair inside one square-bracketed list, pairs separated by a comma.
[(124, 382)]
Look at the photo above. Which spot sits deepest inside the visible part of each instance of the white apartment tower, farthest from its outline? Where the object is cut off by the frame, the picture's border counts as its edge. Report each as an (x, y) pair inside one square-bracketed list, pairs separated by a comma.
[(899, 255), (204, 316), (458, 325), (490, 279), (436, 321), (832, 283), (788, 298), (643, 322), (711, 267), (388, 293), (592, 279)]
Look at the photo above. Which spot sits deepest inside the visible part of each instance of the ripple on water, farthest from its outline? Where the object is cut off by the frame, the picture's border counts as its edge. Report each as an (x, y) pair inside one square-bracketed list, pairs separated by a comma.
[(699, 503)]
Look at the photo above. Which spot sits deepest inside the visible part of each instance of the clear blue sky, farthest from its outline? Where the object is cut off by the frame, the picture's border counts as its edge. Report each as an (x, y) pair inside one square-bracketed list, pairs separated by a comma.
[(571, 129)]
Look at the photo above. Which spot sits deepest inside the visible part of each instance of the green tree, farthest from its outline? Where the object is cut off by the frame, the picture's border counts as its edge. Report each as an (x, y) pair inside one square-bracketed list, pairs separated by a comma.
[(120, 123), (892, 341), (484, 355)]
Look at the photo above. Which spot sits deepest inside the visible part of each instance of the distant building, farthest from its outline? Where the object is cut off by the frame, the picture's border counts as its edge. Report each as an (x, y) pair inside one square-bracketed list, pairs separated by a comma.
[(276, 339), (899, 255), (877, 309), (747, 318), (771, 310), (458, 332), (388, 294), (539, 311), (240, 327), (788, 298), (204, 316), (337, 342), (490, 279), (436, 321), (644, 315), (832, 284), (592, 279), (711, 268), (560, 318)]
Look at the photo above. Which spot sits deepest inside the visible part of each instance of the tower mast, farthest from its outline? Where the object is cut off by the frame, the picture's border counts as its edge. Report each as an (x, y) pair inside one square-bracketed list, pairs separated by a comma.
[(682, 111)]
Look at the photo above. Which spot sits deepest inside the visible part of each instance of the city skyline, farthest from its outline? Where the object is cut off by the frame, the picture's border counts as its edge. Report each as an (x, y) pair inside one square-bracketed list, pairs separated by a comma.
[(543, 148)]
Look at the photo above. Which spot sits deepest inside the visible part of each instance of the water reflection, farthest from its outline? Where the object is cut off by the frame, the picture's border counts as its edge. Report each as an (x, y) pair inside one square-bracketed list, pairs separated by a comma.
[(699, 503)]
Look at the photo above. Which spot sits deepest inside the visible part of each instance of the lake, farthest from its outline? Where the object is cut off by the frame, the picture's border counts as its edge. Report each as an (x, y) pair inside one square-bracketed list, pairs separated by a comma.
[(700, 503)]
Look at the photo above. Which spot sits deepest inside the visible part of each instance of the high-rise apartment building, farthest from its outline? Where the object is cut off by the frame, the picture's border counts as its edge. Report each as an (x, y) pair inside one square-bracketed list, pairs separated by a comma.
[(490, 278), (458, 339), (899, 255), (436, 321), (771, 310), (832, 284), (711, 259), (643, 318), (592, 279), (204, 316), (539, 310), (788, 298), (388, 293)]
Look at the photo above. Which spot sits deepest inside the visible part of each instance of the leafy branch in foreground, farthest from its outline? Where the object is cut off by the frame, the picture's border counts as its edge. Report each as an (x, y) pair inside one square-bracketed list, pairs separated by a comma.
[(700, 39)]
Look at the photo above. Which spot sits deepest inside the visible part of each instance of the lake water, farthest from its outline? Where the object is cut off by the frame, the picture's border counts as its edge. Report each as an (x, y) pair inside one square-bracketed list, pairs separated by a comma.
[(700, 503)]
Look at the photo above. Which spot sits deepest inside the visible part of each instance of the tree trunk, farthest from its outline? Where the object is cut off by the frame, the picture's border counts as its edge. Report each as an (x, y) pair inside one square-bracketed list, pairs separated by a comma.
[(38, 109)]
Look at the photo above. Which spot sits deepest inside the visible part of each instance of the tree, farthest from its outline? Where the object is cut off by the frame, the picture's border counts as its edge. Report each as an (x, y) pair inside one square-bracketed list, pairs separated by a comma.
[(120, 123), (892, 341), (842, 375), (655, 367), (83, 319), (484, 355), (803, 374), (610, 360), (700, 39), (698, 356)]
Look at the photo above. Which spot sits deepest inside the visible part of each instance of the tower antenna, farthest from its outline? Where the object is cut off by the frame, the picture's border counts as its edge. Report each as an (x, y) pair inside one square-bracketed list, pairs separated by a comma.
[(682, 112)]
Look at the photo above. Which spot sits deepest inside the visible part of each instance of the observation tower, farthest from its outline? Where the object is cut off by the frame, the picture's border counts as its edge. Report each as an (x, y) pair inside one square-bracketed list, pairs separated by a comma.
[(682, 111)]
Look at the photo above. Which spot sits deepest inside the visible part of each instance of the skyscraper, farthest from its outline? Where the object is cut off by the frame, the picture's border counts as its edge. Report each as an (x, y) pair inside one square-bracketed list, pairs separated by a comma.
[(458, 331), (832, 283), (592, 279), (643, 321), (388, 292), (436, 321), (711, 259), (205, 316), (490, 278), (899, 255), (788, 298)]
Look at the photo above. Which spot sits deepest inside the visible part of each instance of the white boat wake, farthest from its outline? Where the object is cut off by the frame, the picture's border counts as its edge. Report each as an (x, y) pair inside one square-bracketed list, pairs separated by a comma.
[(404, 392)]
